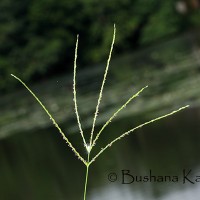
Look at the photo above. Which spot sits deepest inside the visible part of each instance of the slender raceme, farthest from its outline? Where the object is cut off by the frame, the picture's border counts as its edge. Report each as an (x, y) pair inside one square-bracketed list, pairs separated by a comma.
[(115, 114), (53, 120), (140, 126), (91, 143), (74, 91), (102, 86)]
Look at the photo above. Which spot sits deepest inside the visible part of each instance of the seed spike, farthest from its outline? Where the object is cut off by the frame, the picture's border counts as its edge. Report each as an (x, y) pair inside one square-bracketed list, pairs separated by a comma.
[(141, 125), (102, 86), (74, 92), (115, 114), (53, 120)]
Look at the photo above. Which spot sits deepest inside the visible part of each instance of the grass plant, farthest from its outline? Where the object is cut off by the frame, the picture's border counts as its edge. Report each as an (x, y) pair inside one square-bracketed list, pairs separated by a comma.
[(89, 145)]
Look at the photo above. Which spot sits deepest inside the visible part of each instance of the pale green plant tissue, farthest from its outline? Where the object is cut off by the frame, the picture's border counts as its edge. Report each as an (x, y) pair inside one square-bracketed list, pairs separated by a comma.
[(93, 140)]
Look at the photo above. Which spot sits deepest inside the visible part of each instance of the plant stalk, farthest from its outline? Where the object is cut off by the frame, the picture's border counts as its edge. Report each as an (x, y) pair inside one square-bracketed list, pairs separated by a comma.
[(86, 176)]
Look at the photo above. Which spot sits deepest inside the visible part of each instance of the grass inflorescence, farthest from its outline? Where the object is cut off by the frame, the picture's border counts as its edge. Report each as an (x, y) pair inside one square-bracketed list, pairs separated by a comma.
[(89, 145)]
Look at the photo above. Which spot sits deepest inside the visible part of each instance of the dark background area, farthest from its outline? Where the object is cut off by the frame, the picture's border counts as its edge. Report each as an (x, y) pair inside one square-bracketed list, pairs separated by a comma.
[(157, 44), (37, 37)]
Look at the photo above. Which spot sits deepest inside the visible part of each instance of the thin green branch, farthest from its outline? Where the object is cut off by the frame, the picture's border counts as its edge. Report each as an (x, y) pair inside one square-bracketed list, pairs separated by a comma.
[(74, 91), (126, 133), (115, 114), (86, 176), (102, 86), (53, 120)]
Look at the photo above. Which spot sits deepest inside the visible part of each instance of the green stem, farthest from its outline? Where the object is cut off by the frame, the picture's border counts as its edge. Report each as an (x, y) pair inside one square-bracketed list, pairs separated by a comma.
[(86, 177)]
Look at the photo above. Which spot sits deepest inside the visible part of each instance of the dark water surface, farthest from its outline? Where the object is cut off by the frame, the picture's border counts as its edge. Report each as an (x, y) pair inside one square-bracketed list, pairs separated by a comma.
[(39, 165)]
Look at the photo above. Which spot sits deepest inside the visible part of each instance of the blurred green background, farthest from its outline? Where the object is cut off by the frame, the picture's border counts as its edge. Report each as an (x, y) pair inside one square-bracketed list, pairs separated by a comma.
[(37, 37), (157, 44)]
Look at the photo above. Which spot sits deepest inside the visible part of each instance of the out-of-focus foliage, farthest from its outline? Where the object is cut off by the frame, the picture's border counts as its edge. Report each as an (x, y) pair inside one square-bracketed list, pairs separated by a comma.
[(37, 37)]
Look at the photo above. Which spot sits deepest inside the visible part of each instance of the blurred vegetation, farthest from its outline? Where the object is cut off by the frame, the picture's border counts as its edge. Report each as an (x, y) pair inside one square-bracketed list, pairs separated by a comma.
[(37, 37)]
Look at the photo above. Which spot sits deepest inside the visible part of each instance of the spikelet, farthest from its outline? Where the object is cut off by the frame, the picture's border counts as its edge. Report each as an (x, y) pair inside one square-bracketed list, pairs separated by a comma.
[(102, 86), (53, 120), (74, 91), (126, 133), (115, 114)]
